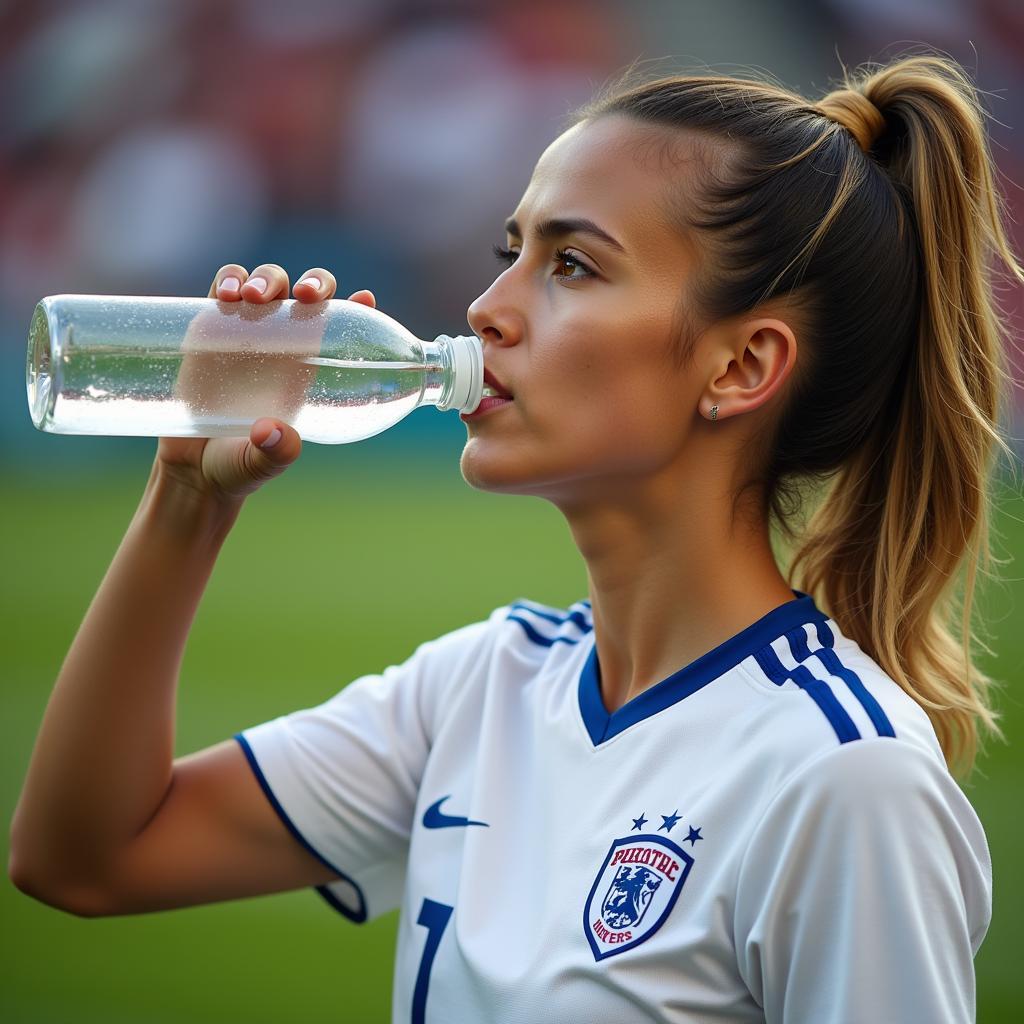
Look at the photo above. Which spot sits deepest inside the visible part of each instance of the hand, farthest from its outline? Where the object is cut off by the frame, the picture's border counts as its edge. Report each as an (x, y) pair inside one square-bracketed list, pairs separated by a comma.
[(230, 468)]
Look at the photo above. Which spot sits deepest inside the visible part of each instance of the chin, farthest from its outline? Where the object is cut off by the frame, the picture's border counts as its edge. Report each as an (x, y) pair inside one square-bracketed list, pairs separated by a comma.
[(487, 468), (487, 472), (500, 467)]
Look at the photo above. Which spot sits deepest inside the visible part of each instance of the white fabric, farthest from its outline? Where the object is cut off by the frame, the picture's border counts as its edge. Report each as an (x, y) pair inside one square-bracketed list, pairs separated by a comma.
[(722, 857)]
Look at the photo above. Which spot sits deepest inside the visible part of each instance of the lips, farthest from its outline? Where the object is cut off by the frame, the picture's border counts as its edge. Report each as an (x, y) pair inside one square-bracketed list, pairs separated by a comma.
[(495, 395)]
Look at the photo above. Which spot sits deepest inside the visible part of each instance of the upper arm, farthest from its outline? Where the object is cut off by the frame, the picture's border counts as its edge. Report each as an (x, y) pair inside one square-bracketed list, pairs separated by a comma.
[(215, 837), (865, 892), (323, 794)]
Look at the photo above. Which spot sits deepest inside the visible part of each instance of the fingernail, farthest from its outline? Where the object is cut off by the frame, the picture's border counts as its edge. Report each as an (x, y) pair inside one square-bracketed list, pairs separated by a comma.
[(230, 284), (313, 282), (259, 283), (271, 439)]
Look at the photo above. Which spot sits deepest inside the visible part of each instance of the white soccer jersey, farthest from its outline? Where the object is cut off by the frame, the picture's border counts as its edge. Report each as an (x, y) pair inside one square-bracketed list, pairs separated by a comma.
[(769, 834)]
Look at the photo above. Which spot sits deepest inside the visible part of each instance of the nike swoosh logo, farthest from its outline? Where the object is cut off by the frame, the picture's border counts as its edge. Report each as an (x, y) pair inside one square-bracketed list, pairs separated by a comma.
[(433, 818)]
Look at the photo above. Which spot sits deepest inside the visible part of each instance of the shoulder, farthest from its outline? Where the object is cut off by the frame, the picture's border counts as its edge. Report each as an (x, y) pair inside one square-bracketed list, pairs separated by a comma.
[(823, 692), (522, 625), (841, 742), (539, 627), (513, 645), (517, 643), (889, 781)]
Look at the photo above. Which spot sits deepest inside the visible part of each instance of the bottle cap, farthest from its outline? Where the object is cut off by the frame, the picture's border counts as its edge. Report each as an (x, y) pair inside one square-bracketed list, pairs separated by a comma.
[(467, 373)]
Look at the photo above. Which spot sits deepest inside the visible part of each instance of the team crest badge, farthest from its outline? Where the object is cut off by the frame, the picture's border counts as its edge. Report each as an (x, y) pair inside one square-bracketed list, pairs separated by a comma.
[(634, 892)]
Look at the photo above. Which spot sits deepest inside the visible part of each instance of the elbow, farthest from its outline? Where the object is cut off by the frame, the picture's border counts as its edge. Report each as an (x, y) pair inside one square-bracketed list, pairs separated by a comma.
[(73, 899)]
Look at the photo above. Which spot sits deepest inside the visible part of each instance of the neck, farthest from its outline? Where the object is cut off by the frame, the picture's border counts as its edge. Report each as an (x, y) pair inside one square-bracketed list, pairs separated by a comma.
[(672, 576)]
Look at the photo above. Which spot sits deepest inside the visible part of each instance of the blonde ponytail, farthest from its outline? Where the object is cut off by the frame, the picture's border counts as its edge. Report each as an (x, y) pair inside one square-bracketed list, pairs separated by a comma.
[(928, 481)]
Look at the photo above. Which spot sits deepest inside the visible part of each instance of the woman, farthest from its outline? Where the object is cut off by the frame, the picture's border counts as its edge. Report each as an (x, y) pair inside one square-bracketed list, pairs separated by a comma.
[(702, 794)]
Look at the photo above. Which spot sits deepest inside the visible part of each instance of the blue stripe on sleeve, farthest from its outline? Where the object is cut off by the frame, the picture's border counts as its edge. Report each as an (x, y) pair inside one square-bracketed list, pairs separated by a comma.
[(830, 660), (539, 638), (816, 689), (798, 644), (358, 916), (575, 617), (821, 693)]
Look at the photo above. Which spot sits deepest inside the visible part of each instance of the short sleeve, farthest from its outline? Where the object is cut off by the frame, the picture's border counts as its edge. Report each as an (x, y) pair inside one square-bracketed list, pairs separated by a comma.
[(344, 776), (865, 892)]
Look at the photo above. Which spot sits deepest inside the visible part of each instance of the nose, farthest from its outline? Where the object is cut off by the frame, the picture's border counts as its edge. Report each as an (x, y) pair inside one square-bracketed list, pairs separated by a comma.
[(494, 317)]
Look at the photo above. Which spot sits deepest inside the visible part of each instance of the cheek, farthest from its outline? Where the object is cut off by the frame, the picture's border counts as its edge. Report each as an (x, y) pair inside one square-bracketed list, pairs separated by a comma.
[(603, 398), (616, 386)]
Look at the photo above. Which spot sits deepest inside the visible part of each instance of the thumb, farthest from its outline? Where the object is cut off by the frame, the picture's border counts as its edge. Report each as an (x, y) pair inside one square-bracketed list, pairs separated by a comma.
[(237, 466), (274, 446)]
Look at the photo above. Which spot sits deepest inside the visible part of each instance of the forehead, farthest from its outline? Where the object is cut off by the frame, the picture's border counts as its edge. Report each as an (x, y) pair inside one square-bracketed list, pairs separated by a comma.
[(624, 175)]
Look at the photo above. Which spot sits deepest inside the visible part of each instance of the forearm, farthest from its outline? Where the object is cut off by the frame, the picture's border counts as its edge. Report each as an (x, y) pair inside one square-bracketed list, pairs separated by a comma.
[(102, 761)]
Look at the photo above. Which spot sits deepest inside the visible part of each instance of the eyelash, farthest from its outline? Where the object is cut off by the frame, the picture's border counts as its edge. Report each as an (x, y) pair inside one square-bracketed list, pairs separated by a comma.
[(508, 257)]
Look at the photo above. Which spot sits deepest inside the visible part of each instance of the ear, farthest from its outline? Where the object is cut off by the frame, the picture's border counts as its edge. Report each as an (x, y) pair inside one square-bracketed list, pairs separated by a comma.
[(752, 360)]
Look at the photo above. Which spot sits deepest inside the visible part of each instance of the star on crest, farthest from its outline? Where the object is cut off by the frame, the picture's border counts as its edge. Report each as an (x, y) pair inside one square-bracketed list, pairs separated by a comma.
[(693, 836), (669, 821), (638, 823)]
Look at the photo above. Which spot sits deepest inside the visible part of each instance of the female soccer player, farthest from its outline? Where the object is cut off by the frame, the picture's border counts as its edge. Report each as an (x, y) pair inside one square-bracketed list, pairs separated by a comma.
[(714, 791)]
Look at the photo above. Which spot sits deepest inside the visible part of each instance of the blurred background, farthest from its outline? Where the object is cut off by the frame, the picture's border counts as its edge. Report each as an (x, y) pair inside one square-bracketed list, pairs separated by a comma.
[(143, 145)]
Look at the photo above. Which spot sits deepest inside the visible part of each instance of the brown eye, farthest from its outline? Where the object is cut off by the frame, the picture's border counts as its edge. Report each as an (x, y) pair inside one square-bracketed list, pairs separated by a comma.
[(569, 268)]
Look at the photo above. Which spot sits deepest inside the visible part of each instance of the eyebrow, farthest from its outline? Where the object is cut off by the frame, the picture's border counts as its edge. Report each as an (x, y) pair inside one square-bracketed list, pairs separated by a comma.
[(558, 227)]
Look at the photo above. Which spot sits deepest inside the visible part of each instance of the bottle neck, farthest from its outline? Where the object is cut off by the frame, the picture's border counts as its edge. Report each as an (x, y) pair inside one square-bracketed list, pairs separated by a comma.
[(437, 373)]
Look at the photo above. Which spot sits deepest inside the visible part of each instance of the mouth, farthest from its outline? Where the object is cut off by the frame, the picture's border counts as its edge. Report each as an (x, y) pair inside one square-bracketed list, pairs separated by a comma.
[(495, 395), (493, 388)]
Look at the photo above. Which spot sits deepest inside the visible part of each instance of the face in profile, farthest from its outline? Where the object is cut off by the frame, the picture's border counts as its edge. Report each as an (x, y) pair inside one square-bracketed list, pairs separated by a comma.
[(580, 326)]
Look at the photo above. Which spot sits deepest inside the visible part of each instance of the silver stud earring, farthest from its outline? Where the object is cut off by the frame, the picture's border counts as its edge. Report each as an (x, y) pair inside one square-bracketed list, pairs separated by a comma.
[(714, 412)]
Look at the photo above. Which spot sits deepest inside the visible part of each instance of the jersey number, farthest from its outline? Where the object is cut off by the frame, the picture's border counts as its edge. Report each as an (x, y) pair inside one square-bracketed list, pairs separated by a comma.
[(434, 917)]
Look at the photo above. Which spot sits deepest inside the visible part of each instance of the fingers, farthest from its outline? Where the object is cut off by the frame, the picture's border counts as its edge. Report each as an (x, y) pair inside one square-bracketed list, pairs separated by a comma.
[(365, 296), (227, 283), (315, 285), (268, 281)]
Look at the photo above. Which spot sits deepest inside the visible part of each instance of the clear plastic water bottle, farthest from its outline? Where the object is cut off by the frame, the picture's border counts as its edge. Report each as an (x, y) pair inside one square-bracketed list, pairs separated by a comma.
[(336, 371)]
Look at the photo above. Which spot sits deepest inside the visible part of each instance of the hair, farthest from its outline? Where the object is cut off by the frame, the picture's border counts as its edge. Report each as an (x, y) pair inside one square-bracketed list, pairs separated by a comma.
[(872, 213)]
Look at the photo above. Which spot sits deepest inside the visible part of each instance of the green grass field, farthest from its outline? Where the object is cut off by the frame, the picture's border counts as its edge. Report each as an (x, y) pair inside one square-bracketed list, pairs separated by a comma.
[(339, 568)]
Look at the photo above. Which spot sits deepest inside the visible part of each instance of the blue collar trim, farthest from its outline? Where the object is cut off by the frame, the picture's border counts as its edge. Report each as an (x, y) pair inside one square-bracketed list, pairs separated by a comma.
[(603, 726)]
